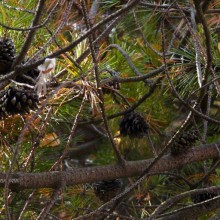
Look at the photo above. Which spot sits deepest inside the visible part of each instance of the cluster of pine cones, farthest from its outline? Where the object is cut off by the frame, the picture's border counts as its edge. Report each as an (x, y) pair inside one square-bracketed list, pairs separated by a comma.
[(16, 99), (133, 125), (107, 189), (186, 140)]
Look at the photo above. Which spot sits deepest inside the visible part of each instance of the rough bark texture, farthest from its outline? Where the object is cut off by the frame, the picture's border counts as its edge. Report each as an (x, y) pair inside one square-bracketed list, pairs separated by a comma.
[(92, 174)]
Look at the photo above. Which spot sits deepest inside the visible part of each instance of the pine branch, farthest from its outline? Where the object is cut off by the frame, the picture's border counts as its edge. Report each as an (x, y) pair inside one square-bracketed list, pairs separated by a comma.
[(53, 179)]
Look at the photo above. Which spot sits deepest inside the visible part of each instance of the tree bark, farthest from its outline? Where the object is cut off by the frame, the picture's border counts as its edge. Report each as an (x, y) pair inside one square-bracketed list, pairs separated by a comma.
[(75, 176)]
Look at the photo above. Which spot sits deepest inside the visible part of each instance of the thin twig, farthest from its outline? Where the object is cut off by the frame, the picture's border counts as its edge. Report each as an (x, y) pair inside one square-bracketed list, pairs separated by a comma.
[(38, 137), (172, 201), (127, 58), (151, 144), (143, 36), (33, 27), (31, 34), (104, 34), (151, 74), (72, 132), (26, 205), (207, 38), (17, 9), (51, 202), (98, 86), (196, 46), (62, 23), (205, 123), (206, 176)]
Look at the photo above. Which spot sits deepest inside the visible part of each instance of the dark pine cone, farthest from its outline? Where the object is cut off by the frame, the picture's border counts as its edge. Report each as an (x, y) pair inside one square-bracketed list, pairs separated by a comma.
[(14, 101), (133, 125), (107, 189), (7, 54), (184, 142), (203, 197)]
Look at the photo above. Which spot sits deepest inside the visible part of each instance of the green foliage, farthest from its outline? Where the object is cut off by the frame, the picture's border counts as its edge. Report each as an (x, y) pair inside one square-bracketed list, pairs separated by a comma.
[(47, 138)]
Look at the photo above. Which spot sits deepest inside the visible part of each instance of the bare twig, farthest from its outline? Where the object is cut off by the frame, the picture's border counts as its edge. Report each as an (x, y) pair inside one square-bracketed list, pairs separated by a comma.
[(21, 68), (17, 9), (151, 74), (207, 38), (104, 34), (31, 34), (197, 51), (62, 23), (98, 86), (72, 132), (205, 123), (51, 202), (26, 205), (33, 27), (172, 201), (128, 59), (38, 137)]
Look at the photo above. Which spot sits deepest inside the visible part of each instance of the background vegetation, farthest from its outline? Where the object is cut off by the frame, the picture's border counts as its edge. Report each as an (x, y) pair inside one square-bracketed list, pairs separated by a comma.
[(159, 59)]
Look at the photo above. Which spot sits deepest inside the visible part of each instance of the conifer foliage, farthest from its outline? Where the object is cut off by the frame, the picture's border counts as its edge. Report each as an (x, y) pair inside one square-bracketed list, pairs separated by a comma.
[(70, 69)]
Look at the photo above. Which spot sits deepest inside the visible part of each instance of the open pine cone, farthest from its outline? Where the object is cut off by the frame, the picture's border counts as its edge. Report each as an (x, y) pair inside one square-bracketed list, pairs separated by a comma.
[(7, 54), (133, 125), (107, 189), (15, 101), (186, 140)]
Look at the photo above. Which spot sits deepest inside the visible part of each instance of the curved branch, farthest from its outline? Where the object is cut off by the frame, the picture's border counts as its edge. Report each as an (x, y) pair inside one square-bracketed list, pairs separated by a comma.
[(151, 74), (127, 58), (193, 211)]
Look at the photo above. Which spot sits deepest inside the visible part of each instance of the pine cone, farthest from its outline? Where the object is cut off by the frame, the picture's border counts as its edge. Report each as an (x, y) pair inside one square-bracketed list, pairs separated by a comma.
[(7, 49), (184, 142), (7, 54), (133, 125), (14, 101), (4, 66), (203, 197), (107, 189)]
